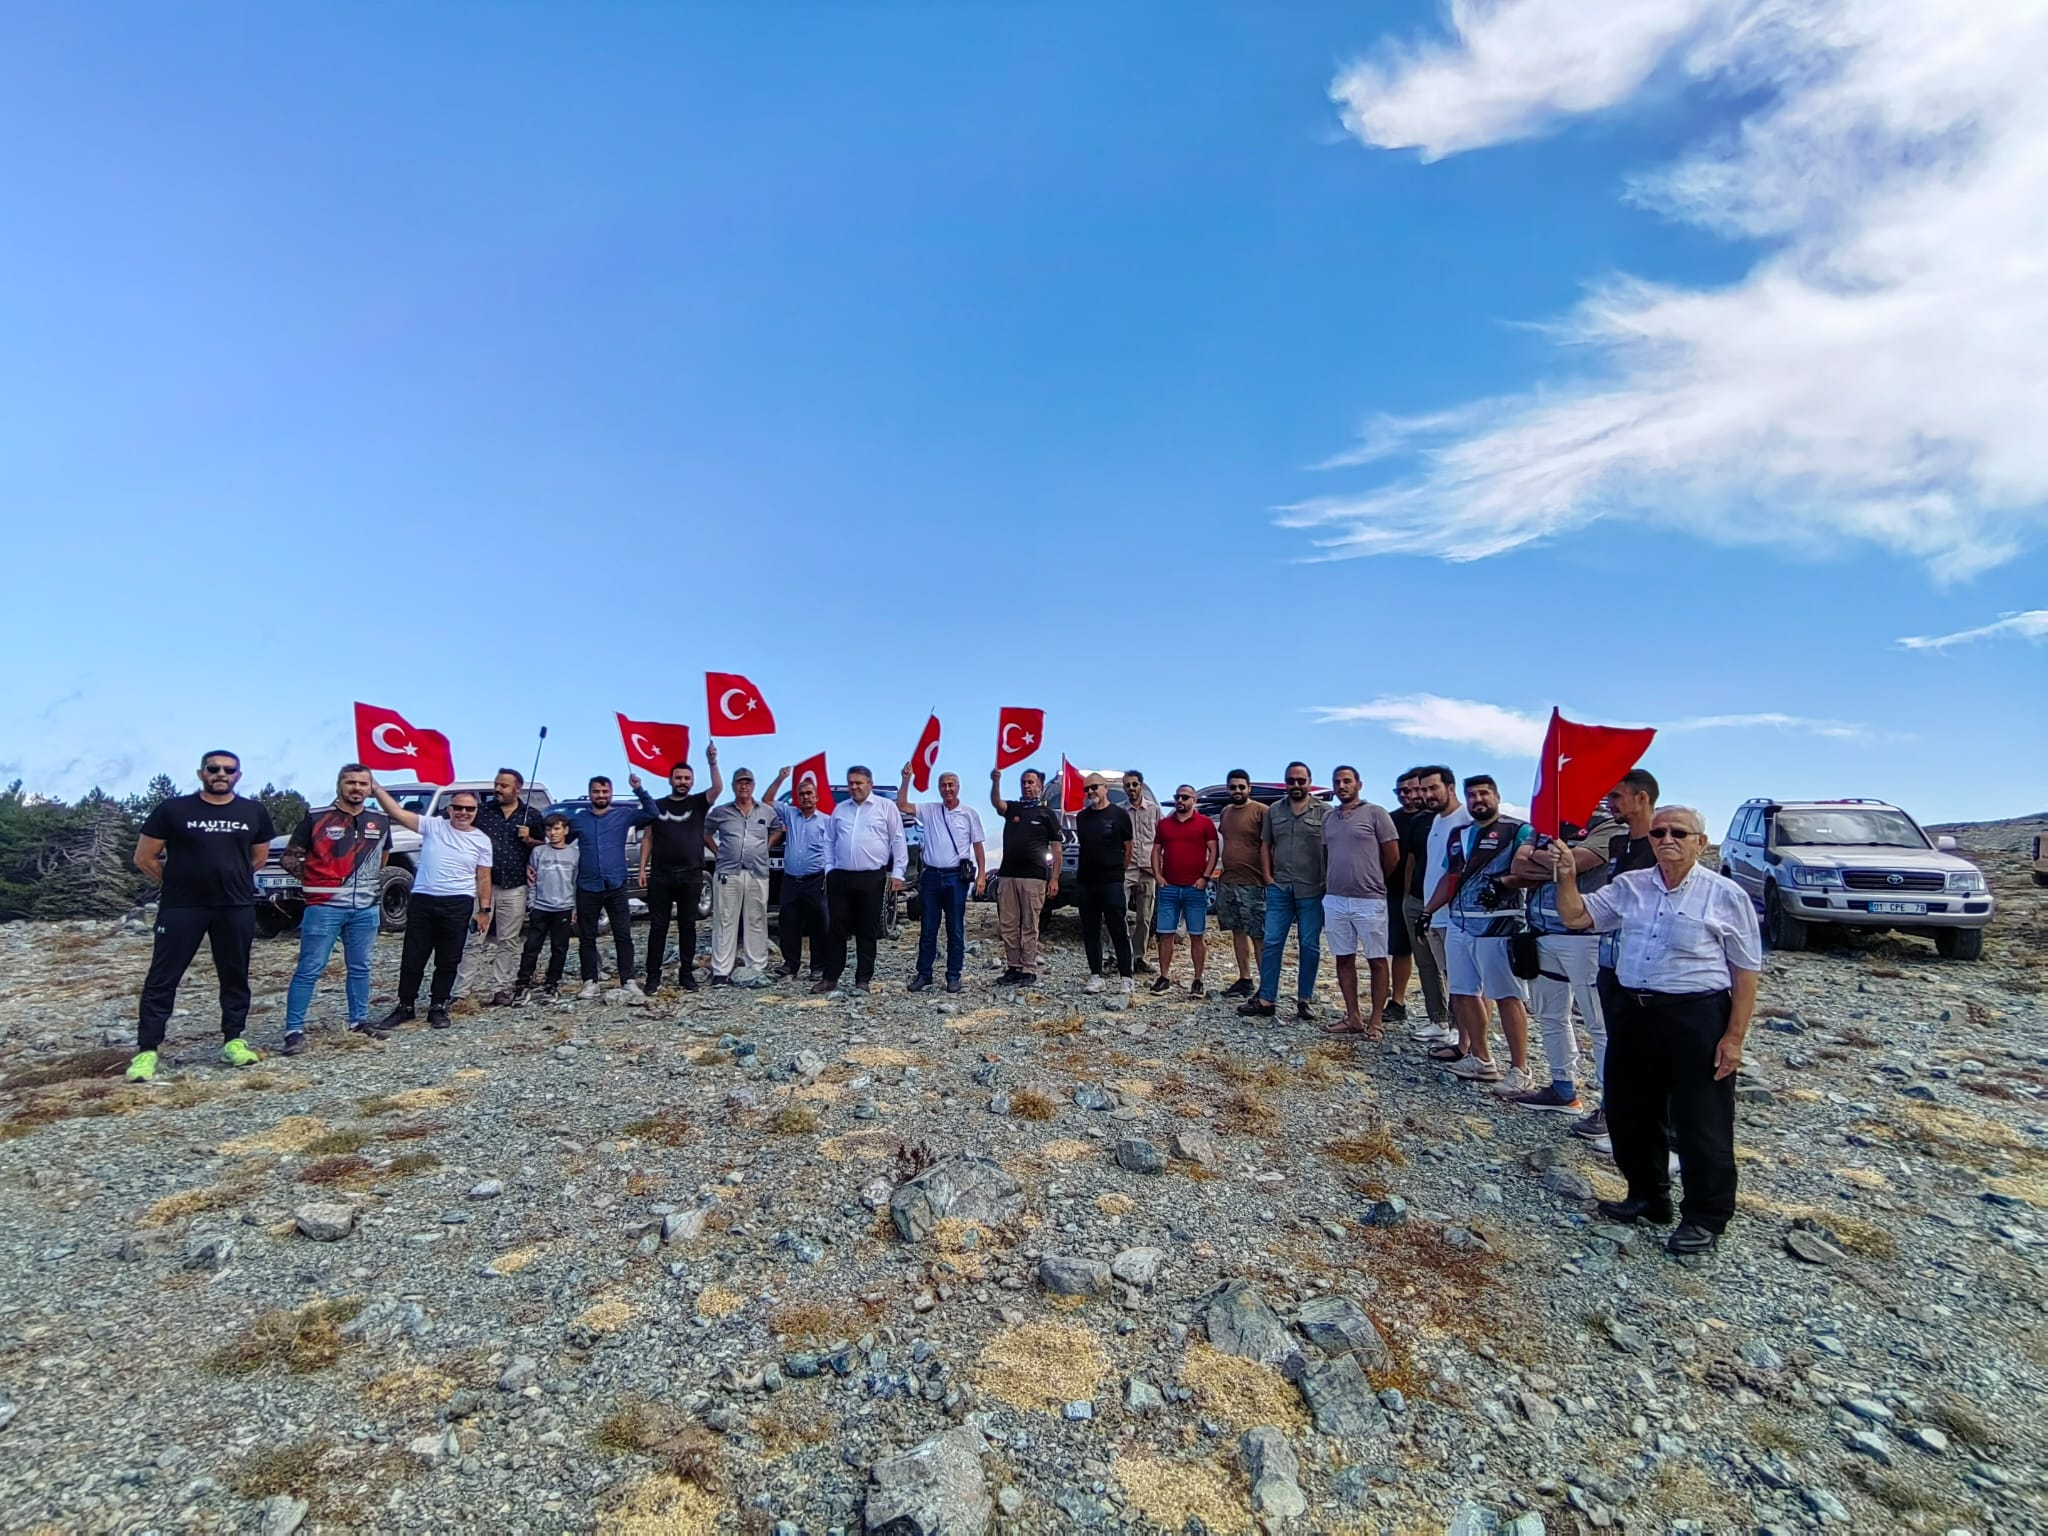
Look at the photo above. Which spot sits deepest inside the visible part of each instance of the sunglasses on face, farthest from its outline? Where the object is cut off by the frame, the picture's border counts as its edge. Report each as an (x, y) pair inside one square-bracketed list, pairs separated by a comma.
[(220, 773), (1676, 834), (461, 810), (1296, 782)]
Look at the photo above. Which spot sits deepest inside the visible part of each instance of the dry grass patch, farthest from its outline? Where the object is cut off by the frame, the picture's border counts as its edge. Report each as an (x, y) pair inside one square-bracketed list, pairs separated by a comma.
[(190, 1202), (346, 1169), (1367, 1148), (2028, 1187), (1242, 1393), (1115, 1204), (1246, 1113), (410, 1391), (687, 1450), (813, 1321), (1030, 1104), (883, 1056), (1864, 1178), (1042, 1365), (293, 1469), (291, 1136), (1852, 1232), (414, 1132), (65, 1068), (716, 1301), (1173, 1494), (663, 1506), (338, 1143), (408, 1163), (793, 1120), (513, 1262), (1067, 1149), (669, 1128), (404, 1103), (865, 1145), (303, 1341), (604, 1317), (792, 1424), (1962, 1420)]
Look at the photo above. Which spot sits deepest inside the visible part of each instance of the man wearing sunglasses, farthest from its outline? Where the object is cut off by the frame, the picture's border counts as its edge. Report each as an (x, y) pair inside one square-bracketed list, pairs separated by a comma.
[(202, 852), (451, 894), (1684, 992), (1293, 862), (1183, 863)]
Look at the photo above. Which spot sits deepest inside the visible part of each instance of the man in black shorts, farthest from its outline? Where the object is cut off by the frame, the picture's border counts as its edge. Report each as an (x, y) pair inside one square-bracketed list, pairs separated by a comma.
[(202, 851)]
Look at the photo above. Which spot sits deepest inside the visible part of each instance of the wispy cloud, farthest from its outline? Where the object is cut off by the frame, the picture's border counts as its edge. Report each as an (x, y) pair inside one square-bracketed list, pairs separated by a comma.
[(2030, 625), (1874, 378), (1517, 733)]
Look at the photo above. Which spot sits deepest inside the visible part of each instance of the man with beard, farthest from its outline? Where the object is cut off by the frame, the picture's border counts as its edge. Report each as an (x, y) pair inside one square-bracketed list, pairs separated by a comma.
[(515, 830), (869, 855), (1407, 815), (1029, 873), (1183, 864), (338, 856), (803, 910), (1438, 787), (1362, 849), (1486, 906), (955, 862), (1291, 859), (601, 881), (1102, 833), (1141, 890), (451, 894), (672, 869), (1241, 890)]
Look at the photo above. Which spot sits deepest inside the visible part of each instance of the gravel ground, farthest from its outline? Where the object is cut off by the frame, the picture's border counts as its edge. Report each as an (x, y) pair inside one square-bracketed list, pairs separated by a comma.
[(718, 1263)]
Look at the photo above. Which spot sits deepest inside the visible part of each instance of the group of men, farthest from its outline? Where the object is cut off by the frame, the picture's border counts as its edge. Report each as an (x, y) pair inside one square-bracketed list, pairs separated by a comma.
[(1616, 920)]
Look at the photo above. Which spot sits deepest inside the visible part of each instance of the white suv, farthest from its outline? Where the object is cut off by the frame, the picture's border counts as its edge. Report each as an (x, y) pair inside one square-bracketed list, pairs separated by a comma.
[(1860, 863)]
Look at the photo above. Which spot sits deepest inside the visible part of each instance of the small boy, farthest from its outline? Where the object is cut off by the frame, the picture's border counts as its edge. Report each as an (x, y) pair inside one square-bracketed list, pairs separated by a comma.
[(551, 909)]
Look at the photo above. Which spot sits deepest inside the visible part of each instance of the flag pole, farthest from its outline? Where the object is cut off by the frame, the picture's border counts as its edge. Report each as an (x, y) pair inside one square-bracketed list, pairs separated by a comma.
[(536, 755)]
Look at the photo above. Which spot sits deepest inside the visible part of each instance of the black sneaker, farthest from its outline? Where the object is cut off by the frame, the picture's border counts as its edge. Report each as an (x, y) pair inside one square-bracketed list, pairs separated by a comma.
[(1196, 989), (721, 981), (294, 1043), (1395, 1013), (1593, 1127), (918, 983), (1242, 988), (402, 1014), (1255, 1008), (952, 983), (370, 1031), (1162, 985), (1010, 977), (1027, 978), (1691, 1239), (1140, 968), (1304, 1010), (551, 990), (1628, 1212), (687, 981), (437, 1018)]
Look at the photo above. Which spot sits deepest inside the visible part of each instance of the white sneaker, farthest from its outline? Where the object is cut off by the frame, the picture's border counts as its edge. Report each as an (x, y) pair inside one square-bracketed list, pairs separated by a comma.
[(632, 989), (1094, 984), (1123, 985), (1517, 1081), (1603, 1144), (1426, 1033), (1473, 1070), (591, 992), (1444, 1036)]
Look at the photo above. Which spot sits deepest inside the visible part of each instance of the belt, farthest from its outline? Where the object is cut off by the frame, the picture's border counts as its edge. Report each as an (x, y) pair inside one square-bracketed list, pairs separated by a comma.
[(1644, 997)]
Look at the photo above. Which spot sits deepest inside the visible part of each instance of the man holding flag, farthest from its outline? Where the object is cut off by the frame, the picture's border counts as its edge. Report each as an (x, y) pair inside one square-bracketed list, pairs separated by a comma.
[(869, 854), (672, 867)]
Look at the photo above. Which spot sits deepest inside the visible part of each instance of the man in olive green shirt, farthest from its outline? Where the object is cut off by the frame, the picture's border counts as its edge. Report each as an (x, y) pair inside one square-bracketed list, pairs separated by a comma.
[(1292, 854)]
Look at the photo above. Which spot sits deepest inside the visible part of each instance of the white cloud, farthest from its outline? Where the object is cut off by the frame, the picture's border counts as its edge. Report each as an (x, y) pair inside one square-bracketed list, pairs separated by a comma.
[(1873, 379), (2030, 625), (1514, 733)]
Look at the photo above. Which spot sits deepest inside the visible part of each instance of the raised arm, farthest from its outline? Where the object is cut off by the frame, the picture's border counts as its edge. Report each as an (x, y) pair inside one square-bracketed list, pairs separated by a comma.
[(717, 774), (995, 792), (410, 820), (1571, 905), (904, 803)]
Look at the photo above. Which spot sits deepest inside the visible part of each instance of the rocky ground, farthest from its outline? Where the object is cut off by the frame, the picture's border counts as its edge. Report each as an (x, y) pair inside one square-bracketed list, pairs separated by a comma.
[(778, 1264)]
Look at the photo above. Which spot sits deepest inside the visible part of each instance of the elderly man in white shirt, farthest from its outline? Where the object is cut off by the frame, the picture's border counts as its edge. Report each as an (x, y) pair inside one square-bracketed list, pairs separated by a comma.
[(867, 849), (955, 859), (1677, 1012)]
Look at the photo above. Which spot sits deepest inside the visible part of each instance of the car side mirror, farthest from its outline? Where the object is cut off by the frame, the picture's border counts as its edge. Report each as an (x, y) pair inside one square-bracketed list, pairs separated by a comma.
[(1944, 844)]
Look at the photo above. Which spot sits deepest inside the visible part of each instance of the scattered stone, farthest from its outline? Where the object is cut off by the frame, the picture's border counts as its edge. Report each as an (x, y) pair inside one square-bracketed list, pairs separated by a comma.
[(1568, 1183), (936, 1489), (1239, 1321), (487, 1189), (1811, 1247), (1134, 1154), (1340, 1398), (208, 1252), (325, 1221), (1193, 1146), (1270, 1464), (1138, 1267), (1625, 1337), (1927, 1438), (1337, 1326), (1390, 1212), (519, 1375), (281, 1515), (1065, 1276), (968, 1188), (681, 1226), (1473, 1520), (1825, 1504), (1094, 1096), (1141, 1398)]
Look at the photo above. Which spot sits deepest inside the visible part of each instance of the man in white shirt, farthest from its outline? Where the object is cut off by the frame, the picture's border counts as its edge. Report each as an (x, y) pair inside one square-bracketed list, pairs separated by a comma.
[(953, 841), (1684, 991), (451, 893), (867, 849)]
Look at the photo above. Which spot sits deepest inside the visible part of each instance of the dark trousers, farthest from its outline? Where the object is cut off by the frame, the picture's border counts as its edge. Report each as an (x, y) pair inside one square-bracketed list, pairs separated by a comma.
[(942, 897), (680, 889), (436, 926), (616, 903), (1103, 901), (1660, 1090), (551, 929), (179, 932), (800, 915), (853, 898)]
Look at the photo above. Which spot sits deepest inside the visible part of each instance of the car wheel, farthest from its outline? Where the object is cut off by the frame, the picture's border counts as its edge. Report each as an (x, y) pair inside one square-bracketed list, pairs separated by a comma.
[(395, 898), (2041, 877), (272, 920), (1959, 943), (1785, 931)]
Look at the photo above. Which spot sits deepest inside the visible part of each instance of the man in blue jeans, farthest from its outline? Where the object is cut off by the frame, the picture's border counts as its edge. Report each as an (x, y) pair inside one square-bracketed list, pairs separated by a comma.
[(338, 856), (1292, 860), (953, 841)]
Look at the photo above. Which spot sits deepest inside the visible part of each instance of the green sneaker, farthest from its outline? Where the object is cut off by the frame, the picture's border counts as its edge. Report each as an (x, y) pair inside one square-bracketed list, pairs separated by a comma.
[(236, 1054), (143, 1068)]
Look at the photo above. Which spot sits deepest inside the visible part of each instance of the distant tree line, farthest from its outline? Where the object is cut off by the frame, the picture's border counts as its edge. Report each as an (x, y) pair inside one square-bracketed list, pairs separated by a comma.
[(77, 860)]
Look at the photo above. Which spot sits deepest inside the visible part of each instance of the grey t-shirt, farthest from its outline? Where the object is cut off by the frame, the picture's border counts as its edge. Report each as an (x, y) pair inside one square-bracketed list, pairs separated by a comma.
[(1352, 839), (743, 838), (1297, 844)]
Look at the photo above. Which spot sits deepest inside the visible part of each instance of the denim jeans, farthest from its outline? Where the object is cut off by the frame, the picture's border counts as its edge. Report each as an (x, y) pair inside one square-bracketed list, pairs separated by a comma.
[(942, 891), (1284, 909), (356, 927)]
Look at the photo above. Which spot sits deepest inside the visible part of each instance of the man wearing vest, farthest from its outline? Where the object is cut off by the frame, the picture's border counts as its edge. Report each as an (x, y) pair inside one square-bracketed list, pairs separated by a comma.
[(1485, 901), (338, 856)]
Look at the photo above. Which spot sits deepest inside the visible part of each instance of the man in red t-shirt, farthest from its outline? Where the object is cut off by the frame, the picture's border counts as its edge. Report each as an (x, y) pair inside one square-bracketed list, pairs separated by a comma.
[(1184, 858)]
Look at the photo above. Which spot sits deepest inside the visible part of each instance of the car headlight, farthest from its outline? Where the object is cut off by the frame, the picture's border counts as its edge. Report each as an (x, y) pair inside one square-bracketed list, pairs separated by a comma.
[(1967, 881), (1808, 874)]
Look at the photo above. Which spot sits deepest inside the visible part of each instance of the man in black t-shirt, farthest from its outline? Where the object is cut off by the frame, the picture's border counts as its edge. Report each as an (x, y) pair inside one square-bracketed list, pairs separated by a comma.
[(1030, 871), (1104, 833), (202, 851), (1419, 788), (672, 869)]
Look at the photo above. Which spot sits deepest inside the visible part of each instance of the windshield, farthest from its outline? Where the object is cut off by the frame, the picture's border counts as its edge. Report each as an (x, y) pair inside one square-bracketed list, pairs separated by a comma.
[(1847, 827), (417, 801)]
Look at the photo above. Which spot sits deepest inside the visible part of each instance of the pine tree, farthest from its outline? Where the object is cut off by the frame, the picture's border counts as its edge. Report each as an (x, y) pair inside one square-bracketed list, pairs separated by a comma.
[(91, 875), (287, 807), (161, 788)]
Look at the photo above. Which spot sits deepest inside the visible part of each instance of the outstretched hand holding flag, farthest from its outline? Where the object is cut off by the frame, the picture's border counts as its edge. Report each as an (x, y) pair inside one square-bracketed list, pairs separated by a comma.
[(1579, 765), (654, 745), (384, 739)]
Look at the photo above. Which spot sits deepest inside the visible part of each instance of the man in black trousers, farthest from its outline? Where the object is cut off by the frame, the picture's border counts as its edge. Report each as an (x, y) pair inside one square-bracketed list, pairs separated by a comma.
[(868, 858)]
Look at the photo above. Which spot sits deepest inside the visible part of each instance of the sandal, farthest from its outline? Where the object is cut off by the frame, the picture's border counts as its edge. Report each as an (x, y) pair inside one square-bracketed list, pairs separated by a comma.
[(1446, 1053), (1342, 1027)]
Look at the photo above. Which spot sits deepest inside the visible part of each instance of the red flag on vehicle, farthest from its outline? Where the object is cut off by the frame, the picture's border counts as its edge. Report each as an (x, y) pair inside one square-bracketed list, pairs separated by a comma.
[(925, 758), (1580, 764), (384, 739), (654, 744), (1073, 787), (813, 768), (1017, 733), (736, 707)]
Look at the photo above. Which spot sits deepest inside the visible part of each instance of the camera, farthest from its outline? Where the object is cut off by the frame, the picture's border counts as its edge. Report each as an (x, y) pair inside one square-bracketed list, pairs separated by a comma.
[(1491, 895)]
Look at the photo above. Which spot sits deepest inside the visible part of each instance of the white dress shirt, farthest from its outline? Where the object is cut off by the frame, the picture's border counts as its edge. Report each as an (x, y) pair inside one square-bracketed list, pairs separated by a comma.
[(1683, 940), (949, 836), (868, 834)]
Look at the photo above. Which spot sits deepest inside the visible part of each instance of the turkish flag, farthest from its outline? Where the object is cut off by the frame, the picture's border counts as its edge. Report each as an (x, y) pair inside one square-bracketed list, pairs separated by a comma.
[(736, 707), (385, 740), (925, 758), (813, 768), (1580, 764), (1017, 733), (1073, 788), (654, 745)]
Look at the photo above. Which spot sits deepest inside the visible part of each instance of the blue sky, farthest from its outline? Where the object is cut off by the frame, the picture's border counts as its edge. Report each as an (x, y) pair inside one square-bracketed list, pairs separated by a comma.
[(511, 366)]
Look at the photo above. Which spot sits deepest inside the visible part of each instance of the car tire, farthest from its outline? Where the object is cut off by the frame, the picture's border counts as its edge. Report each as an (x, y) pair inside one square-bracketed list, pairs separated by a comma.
[(395, 896), (1784, 931), (1959, 943), (2040, 877), (272, 920)]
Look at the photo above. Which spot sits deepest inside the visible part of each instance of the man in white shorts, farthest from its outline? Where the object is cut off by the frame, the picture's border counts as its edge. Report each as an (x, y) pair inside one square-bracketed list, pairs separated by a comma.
[(1362, 847), (1486, 906)]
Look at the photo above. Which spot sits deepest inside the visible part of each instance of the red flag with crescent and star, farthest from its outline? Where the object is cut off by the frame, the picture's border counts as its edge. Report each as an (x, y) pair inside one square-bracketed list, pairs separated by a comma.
[(813, 768), (1579, 765), (384, 739), (736, 707), (925, 758), (1017, 735), (1073, 787), (654, 744)]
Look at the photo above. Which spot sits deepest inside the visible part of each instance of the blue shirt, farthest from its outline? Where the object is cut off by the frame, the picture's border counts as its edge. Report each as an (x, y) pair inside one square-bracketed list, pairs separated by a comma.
[(602, 841), (806, 841)]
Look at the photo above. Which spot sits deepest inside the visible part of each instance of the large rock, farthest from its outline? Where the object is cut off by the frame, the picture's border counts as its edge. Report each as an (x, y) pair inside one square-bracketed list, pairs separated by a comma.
[(1239, 1322), (935, 1489), (1134, 1154), (1138, 1267), (325, 1221), (1064, 1276), (1275, 1474), (1195, 1146), (1341, 1399), (1338, 1327), (966, 1188)]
